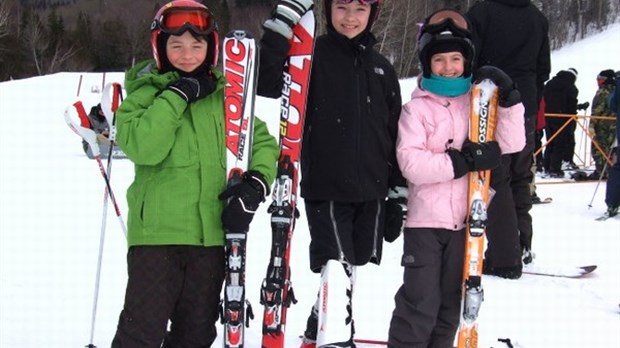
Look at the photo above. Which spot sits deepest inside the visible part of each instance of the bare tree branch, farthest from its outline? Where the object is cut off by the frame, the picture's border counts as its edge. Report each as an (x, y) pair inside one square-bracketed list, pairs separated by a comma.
[(4, 20)]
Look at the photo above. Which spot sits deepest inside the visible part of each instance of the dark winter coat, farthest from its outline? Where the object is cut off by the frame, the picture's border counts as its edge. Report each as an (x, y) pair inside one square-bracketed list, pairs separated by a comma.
[(561, 96), (513, 36), (354, 103)]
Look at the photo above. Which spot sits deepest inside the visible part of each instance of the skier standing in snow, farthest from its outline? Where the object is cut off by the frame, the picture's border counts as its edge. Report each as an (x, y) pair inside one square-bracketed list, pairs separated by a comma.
[(602, 131), (612, 191), (435, 155), (560, 98), (348, 159), (171, 125), (513, 36)]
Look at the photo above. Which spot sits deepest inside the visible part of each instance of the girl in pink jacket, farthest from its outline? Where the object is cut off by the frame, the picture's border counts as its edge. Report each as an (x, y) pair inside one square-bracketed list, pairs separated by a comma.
[(434, 155)]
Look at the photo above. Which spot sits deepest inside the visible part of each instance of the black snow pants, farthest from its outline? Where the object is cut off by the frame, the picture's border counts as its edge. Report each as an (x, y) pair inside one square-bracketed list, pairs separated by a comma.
[(504, 246), (351, 232), (428, 303), (180, 284)]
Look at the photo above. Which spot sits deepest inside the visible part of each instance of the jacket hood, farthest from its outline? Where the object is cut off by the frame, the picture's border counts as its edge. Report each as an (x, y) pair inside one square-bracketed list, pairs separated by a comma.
[(513, 3)]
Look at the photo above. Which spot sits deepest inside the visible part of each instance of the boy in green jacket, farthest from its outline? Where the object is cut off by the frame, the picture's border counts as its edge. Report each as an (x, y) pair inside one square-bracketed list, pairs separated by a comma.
[(171, 126)]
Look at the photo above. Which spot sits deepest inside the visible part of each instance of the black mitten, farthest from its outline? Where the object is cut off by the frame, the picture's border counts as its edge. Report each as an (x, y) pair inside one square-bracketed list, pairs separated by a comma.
[(475, 157), (583, 106), (244, 199), (508, 93), (193, 88), (395, 213)]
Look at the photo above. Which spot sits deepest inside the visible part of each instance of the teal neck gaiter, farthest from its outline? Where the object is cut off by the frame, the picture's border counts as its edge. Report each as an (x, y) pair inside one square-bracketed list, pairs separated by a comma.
[(447, 86)]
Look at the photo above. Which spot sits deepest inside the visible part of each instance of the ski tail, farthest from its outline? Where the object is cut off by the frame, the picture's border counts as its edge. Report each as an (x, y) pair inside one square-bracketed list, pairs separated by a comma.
[(240, 57), (276, 291), (483, 117)]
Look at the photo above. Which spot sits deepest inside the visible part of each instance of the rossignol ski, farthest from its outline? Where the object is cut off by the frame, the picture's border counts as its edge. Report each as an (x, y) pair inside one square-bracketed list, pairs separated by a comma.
[(483, 114), (276, 291), (240, 57)]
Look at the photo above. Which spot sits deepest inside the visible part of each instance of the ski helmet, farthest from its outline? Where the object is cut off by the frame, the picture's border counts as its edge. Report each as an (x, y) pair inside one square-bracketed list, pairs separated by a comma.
[(176, 17), (446, 30), (607, 77), (375, 6)]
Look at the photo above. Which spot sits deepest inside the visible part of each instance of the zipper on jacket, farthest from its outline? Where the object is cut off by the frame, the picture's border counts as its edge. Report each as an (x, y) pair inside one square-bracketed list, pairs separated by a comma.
[(358, 138)]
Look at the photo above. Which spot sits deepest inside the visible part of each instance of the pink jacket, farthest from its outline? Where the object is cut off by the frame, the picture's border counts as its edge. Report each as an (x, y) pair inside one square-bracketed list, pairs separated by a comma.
[(429, 124)]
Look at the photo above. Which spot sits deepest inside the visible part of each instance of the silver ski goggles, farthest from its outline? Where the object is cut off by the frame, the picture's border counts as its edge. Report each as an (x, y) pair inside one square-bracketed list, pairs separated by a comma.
[(446, 20)]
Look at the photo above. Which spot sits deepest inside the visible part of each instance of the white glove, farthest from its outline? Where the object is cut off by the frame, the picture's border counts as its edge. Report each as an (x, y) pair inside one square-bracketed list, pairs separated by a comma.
[(286, 15)]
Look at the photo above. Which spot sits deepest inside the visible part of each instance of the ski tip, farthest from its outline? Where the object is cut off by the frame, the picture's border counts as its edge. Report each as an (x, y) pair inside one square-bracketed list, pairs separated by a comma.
[(588, 269)]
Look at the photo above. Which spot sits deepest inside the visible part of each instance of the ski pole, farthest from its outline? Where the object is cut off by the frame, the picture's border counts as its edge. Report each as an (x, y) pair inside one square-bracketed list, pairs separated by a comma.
[(91, 138), (600, 177)]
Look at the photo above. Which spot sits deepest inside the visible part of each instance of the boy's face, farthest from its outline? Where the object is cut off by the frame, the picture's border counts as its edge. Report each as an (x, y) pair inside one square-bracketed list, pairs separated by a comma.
[(350, 19), (449, 64), (185, 52)]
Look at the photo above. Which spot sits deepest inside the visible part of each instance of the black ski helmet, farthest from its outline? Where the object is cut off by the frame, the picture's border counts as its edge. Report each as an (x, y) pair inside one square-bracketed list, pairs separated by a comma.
[(446, 30), (375, 7), (191, 11)]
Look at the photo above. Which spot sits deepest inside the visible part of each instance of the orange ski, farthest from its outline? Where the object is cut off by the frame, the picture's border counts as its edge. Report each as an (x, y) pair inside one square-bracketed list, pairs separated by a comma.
[(484, 101)]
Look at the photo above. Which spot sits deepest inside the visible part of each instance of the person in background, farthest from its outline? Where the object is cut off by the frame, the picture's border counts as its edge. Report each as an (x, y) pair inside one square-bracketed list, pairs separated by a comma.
[(348, 160), (540, 132), (171, 126), (513, 36), (99, 124), (435, 156), (612, 191), (560, 98), (602, 131)]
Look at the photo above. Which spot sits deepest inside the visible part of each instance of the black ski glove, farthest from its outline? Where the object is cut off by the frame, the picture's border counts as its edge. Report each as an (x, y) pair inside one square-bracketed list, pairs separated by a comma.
[(193, 88), (583, 106), (508, 93), (395, 213), (244, 200), (475, 157), (286, 15)]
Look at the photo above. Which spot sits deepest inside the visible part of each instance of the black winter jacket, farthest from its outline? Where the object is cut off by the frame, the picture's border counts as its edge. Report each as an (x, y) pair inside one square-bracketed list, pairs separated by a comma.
[(561, 96), (354, 103), (513, 36)]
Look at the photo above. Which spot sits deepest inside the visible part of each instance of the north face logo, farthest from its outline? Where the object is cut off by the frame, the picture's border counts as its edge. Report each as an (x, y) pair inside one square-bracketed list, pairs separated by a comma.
[(379, 71)]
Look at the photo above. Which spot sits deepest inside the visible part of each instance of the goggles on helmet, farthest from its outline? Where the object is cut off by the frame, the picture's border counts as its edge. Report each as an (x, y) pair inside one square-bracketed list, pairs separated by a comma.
[(363, 2), (177, 20), (447, 18)]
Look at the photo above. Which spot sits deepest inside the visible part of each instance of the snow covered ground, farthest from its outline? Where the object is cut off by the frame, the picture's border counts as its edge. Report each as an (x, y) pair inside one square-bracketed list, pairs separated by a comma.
[(51, 215)]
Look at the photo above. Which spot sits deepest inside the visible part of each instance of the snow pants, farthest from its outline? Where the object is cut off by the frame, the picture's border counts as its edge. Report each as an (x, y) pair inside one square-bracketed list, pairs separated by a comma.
[(427, 305), (346, 232), (612, 191), (509, 227), (180, 284)]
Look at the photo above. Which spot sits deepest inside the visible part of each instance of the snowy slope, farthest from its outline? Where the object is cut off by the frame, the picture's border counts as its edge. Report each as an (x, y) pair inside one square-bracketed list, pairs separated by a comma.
[(51, 214)]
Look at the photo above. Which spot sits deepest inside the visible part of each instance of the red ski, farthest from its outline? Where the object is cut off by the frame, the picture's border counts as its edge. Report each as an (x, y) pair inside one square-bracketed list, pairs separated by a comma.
[(276, 290)]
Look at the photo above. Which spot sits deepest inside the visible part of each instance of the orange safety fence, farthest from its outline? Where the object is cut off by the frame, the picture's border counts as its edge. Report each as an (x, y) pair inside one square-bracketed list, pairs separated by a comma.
[(575, 118)]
